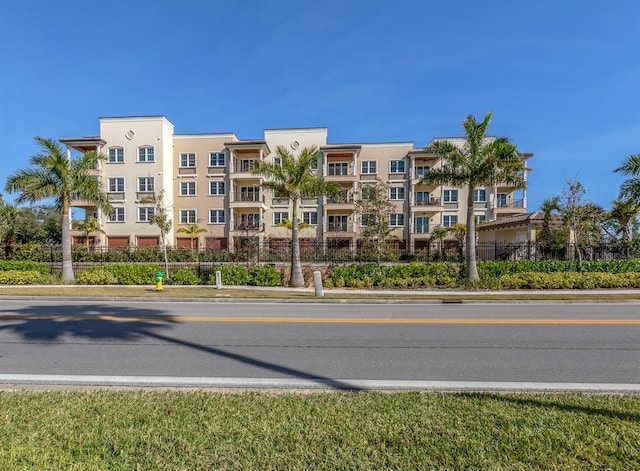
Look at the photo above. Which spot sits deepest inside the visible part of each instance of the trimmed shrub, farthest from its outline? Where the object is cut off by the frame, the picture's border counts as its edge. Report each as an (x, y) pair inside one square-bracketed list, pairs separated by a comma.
[(232, 275), (184, 276), (570, 280), (24, 265), (97, 276), (407, 275), (126, 273), (20, 277), (265, 275)]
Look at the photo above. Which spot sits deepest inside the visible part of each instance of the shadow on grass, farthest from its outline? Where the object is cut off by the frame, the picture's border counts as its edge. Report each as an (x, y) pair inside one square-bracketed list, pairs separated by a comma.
[(102, 321), (549, 403)]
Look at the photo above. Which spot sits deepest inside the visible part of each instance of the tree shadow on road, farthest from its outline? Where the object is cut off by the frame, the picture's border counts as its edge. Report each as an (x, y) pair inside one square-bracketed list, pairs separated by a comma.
[(101, 322)]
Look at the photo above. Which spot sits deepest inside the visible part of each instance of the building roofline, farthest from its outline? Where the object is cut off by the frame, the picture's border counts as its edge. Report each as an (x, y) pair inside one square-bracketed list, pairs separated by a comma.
[(312, 128)]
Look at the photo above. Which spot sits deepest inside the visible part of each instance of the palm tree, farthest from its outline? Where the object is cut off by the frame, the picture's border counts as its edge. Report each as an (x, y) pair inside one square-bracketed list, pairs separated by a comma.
[(192, 231), (88, 226), (630, 189), (547, 207), (479, 161), (439, 233), (8, 216), (55, 176), (295, 178), (624, 213)]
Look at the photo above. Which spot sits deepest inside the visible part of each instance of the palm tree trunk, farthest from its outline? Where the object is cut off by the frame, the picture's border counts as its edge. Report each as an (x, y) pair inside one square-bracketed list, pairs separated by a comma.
[(472, 269), (297, 279), (67, 265)]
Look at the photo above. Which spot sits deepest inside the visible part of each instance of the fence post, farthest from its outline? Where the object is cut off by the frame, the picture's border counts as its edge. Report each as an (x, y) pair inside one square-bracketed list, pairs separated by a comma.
[(317, 281)]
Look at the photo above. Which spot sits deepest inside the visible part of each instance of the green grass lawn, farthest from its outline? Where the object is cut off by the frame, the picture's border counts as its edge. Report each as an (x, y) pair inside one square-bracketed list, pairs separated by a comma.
[(168, 430)]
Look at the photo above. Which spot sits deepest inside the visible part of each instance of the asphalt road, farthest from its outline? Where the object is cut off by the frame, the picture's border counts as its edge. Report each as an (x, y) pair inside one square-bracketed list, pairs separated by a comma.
[(478, 342)]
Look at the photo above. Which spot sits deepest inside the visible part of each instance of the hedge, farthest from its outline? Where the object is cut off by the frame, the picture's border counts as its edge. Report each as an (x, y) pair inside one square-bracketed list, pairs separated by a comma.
[(570, 280), (23, 277), (24, 265)]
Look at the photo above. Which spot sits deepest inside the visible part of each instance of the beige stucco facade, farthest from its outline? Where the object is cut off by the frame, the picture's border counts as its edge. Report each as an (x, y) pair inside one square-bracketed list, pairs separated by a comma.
[(207, 181)]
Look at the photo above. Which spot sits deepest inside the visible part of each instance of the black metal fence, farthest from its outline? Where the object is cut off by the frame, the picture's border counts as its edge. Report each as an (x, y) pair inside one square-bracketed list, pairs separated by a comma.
[(323, 251)]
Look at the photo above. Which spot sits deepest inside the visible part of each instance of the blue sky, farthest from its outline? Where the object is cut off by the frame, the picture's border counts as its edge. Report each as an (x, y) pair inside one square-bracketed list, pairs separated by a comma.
[(561, 77)]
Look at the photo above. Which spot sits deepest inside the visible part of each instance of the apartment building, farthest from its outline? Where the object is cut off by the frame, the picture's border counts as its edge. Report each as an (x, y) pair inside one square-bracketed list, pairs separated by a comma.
[(206, 180)]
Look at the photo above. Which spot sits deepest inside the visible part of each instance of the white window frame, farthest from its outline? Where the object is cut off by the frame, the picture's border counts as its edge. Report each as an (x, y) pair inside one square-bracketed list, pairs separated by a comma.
[(396, 220), (449, 220), (217, 219), (337, 220), (115, 159), (369, 167), (188, 188), (449, 196), (279, 217), (117, 214), (480, 218), (424, 222), (146, 154), (343, 166), (185, 216), (477, 192), (394, 166), (149, 184), (214, 159), (310, 217), (117, 181), (397, 193), (217, 185), (421, 170), (187, 159), (145, 213)]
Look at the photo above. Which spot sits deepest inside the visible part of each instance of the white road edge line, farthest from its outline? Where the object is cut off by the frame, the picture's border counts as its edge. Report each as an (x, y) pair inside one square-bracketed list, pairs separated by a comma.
[(292, 383)]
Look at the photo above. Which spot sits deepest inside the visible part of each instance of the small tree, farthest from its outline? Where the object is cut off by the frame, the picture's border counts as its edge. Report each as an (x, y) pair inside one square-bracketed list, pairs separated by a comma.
[(439, 233), (89, 226), (375, 209), (548, 206), (162, 219), (8, 216), (192, 230)]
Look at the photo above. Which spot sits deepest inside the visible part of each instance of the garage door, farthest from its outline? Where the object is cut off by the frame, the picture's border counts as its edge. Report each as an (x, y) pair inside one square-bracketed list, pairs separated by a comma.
[(148, 241), (117, 241)]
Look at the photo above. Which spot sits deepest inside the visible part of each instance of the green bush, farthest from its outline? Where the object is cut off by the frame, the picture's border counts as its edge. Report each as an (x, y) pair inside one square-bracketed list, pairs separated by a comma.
[(24, 265), (184, 276), (232, 275), (97, 276), (570, 280), (126, 273), (20, 277), (265, 275), (389, 276)]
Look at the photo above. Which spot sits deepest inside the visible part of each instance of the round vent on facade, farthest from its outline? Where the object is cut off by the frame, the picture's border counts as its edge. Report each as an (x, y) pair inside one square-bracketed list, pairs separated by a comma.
[(130, 134)]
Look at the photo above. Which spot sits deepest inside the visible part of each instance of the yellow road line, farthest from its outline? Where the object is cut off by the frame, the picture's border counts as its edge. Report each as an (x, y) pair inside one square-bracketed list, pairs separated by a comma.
[(328, 320)]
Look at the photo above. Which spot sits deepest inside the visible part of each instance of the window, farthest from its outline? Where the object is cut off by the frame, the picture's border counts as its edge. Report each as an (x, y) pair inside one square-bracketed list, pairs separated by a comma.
[(277, 161), (367, 219), (187, 188), (396, 220), (337, 223), (216, 216), (116, 184), (421, 224), (278, 218), (249, 193), (187, 216), (502, 200), (450, 196), (117, 215), (480, 195), (396, 193), (247, 164), (369, 167), (480, 218), (145, 214), (396, 166), (367, 192), (216, 159), (421, 170), (116, 155), (421, 198), (248, 221), (145, 184), (216, 188), (449, 220), (310, 217), (188, 160), (339, 168), (145, 154)]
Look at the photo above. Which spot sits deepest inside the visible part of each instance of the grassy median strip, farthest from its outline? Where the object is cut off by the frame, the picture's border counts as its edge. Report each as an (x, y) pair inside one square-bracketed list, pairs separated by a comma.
[(204, 292), (96, 430)]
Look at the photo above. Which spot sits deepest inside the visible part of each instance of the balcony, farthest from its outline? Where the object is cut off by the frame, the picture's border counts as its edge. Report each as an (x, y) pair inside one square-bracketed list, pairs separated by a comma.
[(338, 227), (428, 202), (345, 201), (243, 199), (509, 206), (247, 227)]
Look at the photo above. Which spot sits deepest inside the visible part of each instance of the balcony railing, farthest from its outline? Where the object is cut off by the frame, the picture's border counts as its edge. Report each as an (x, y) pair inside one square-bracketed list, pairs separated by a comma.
[(428, 202), (252, 227), (337, 227), (248, 197), (509, 204)]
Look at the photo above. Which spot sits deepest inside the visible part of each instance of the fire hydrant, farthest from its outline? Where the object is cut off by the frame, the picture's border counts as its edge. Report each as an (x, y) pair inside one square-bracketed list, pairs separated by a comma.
[(159, 281)]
